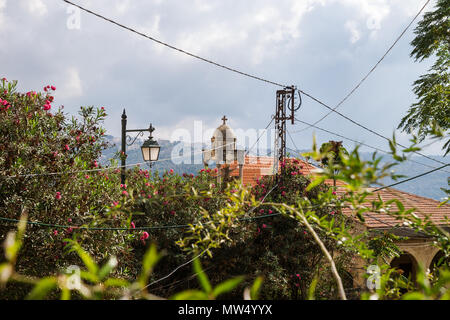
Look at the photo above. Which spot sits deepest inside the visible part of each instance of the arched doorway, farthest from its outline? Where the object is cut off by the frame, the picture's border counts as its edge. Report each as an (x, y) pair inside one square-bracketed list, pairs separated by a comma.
[(439, 260), (407, 266)]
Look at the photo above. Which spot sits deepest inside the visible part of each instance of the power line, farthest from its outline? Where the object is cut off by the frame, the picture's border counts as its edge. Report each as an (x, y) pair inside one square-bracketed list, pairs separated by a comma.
[(180, 266), (356, 141), (371, 70), (173, 47), (260, 136), (365, 128), (225, 67), (412, 178)]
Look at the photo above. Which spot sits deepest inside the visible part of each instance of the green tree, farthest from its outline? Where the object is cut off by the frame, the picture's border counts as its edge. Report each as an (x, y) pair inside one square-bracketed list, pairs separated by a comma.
[(333, 150), (432, 89)]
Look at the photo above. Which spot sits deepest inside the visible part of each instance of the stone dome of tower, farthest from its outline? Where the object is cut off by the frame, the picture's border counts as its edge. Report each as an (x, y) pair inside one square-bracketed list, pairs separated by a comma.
[(223, 136), (223, 144)]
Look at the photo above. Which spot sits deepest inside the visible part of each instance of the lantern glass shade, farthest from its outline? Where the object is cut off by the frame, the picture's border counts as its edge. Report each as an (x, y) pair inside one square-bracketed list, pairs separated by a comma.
[(150, 150)]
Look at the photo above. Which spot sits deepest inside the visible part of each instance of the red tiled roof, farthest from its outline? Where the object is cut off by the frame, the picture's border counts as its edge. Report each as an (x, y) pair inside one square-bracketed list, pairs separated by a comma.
[(256, 167), (423, 207)]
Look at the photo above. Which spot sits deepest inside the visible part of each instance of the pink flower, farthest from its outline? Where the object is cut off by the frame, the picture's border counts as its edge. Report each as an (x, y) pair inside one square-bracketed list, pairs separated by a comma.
[(171, 171), (86, 176), (123, 186), (298, 275), (125, 193), (334, 193), (95, 164), (270, 211), (264, 226), (172, 212), (55, 232), (58, 195), (144, 236), (69, 230), (53, 88), (69, 220), (283, 193), (67, 147), (115, 203), (133, 225), (261, 211)]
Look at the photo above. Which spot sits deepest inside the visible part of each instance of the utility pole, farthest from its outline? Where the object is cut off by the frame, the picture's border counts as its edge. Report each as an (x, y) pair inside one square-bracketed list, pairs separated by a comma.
[(285, 102)]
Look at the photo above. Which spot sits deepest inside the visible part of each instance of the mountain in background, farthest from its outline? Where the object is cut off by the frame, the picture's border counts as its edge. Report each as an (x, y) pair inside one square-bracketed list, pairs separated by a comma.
[(427, 186)]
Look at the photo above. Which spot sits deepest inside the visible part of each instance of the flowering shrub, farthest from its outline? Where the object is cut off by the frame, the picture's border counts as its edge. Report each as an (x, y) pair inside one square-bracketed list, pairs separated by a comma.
[(38, 140)]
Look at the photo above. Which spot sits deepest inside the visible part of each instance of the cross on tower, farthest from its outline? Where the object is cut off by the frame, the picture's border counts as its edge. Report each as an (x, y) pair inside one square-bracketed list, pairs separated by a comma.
[(224, 119)]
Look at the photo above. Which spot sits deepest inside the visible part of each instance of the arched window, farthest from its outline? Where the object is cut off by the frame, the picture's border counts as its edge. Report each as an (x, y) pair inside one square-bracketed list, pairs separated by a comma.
[(407, 266)]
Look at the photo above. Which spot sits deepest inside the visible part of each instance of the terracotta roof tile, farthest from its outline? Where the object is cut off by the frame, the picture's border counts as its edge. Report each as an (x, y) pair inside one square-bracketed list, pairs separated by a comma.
[(257, 167)]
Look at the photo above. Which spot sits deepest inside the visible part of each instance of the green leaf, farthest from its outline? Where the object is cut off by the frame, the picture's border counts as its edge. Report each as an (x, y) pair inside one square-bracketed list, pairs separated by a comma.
[(87, 259), (312, 288), (254, 291), (315, 183), (413, 296), (190, 295), (42, 288), (151, 257), (65, 294), (113, 282), (202, 277), (107, 268), (227, 286)]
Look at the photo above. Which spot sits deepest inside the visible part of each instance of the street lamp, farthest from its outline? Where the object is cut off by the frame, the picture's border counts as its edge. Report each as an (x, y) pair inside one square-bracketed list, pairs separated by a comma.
[(150, 148)]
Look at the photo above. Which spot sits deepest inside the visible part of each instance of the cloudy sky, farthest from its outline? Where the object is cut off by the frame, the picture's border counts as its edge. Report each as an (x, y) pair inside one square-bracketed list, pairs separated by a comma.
[(322, 46)]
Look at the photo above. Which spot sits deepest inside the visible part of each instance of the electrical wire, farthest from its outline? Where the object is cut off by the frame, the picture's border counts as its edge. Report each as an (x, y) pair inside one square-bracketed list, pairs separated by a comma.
[(373, 68), (175, 48), (246, 74), (180, 266), (367, 129), (412, 178), (260, 136), (359, 142)]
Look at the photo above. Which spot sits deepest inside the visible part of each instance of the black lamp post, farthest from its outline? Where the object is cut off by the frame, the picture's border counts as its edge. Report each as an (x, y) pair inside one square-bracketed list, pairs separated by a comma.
[(150, 148)]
